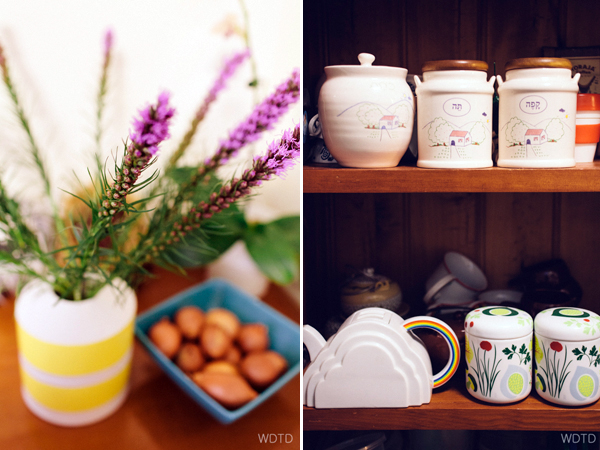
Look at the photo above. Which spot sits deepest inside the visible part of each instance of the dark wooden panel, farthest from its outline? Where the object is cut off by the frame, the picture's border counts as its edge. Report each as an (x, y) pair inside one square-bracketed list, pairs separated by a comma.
[(581, 23), (520, 28), (441, 223), (519, 232), (580, 243)]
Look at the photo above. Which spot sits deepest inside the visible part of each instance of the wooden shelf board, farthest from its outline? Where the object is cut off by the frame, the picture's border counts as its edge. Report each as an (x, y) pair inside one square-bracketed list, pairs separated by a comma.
[(454, 409), (336, 179)]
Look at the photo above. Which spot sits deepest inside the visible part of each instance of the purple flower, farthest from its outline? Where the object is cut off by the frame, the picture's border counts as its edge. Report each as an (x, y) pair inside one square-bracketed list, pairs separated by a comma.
[(280, 156), (153, 125), (229, 69), (149, 130), (108, 43), (262, 118)]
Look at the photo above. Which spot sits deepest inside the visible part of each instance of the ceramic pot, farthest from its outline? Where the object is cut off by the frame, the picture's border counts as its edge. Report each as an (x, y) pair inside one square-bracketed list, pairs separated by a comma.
[(538, 105), (455, 115), (498, 346), (367, 113), (74, 356), (567, 346)]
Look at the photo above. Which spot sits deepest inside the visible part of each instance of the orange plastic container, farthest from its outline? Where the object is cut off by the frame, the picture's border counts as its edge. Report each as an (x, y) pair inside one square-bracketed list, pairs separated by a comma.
[(587, 127)]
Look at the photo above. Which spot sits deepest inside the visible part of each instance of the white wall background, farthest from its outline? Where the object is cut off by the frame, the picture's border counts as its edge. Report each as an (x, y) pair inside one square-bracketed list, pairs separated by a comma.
[(54, 49)]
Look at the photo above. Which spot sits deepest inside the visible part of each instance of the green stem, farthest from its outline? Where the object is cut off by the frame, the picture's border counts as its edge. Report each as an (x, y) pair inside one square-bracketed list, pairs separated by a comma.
[(254, 83)]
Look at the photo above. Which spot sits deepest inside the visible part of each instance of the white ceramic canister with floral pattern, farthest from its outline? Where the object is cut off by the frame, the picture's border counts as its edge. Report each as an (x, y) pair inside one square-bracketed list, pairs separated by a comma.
[(536, 120), (498, 346), (455, 115), (567, 356)]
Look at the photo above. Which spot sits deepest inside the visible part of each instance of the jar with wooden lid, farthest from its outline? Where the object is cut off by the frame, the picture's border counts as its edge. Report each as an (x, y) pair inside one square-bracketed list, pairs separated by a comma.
[(536, 122), (454, 113)]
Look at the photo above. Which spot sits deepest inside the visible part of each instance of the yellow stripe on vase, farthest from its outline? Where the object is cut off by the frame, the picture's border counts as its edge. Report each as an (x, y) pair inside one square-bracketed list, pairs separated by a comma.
[(75, 399), (72, 360)]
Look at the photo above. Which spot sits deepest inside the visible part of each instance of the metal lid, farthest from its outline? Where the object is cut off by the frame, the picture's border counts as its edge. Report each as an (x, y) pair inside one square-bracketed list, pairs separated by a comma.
[(568, 324), (455, 64), (498, 322), (366, 68), (538, 63)]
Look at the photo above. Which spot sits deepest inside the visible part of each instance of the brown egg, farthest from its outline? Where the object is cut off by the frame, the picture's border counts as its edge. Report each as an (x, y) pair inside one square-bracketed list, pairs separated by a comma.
[(253, 337), (220, 367), (214, 341), (233, 355), (189, 319), (261, 369), (231, 391), (166, 337), (189, 358), (224, 319)]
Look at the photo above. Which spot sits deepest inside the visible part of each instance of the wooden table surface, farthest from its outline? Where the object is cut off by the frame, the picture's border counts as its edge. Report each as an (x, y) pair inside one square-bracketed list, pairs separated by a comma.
[(157, 415)]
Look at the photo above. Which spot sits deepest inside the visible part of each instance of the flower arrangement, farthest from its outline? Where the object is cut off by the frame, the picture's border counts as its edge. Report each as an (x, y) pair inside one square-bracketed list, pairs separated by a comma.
[(131, 217)]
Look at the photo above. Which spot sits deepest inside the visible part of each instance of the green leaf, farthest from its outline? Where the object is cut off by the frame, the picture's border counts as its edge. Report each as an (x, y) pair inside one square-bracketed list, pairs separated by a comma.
[(507, 351), (202, 246), (576, 351), (275, 249)]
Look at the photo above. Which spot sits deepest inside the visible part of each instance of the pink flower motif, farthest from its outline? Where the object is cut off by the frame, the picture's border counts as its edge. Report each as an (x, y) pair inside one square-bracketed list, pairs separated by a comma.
[(485, 345), (556, 346)]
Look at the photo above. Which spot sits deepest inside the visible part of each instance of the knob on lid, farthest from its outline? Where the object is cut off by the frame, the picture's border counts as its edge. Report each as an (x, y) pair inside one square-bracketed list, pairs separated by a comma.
[(366, 59)]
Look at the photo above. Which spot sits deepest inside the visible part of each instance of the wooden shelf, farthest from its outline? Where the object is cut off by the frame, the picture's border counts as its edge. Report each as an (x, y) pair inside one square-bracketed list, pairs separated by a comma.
[(337, 179), (454, 409)]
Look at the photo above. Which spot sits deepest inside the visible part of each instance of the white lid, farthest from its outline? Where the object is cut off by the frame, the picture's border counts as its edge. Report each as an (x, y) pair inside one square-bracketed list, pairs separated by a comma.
[(498, 322), (568, 324), (366, 68)]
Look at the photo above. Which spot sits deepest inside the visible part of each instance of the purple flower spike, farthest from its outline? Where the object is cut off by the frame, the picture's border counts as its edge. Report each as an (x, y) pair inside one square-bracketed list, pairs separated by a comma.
[(149, 130), (264, 116), (108, 43), (229, 69), (152, 127), (280, 156)]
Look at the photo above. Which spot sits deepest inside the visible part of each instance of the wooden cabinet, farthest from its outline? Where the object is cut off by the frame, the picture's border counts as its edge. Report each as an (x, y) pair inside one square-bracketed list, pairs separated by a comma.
[(401, 220)]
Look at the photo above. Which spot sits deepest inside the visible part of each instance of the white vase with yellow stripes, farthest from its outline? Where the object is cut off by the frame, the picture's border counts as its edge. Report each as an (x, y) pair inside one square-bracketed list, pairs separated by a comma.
[(75, 356)]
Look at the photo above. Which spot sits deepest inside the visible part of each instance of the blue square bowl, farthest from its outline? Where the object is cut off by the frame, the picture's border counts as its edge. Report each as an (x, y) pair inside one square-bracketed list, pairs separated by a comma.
[(284, 336)]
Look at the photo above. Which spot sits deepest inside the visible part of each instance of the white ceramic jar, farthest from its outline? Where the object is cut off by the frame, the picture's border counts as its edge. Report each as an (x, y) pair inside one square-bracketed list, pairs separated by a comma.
[(366, 113), (455, 114), (567, 356), (536, 121), (498, 346)]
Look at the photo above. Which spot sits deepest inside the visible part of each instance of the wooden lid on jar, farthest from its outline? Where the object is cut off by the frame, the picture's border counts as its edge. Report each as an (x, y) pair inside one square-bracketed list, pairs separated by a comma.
[(455, 64), (538, 63)]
